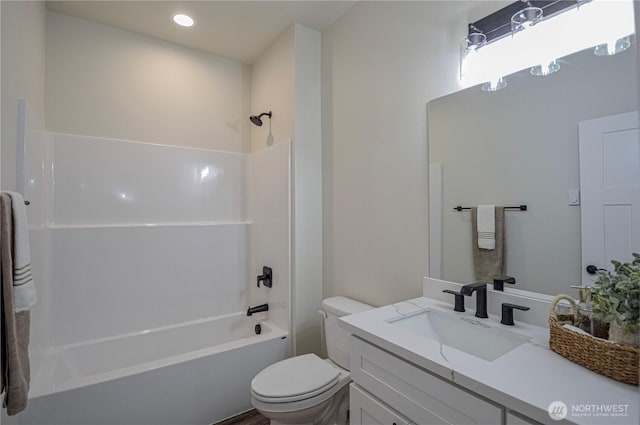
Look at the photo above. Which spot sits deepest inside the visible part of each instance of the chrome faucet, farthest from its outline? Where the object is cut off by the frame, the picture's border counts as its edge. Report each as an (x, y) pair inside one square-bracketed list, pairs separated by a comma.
[(480, 289), (257, 309)]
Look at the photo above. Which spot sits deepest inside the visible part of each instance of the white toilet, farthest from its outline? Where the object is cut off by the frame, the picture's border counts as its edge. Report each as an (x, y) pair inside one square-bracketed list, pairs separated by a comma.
[(306, 389)]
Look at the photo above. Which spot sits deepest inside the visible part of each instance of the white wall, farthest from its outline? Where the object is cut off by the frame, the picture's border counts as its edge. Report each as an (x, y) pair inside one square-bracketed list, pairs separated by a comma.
[(23, 75), (308, 288), (269, 230), (520, 145), (286, 81), (636, 11), (381, 63), (104, 81), (272, 89)]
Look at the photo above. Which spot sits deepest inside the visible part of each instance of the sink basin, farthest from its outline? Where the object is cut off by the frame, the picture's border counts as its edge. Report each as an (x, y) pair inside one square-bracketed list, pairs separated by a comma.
[(463, 333)]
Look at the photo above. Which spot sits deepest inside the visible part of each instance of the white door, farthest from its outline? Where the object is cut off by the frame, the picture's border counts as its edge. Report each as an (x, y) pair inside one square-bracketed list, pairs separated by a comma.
[(610, 190)]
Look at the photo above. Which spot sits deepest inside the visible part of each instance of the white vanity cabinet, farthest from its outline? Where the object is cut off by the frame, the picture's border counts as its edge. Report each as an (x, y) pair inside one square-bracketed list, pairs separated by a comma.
[(403, 393), (367, 410), (405, 371), (514, 419)]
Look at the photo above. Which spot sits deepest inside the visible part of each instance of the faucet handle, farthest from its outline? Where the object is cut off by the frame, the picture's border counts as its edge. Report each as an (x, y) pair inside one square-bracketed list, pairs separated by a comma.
[(459, 300), (498, 282), (507, 313), (266, 277)]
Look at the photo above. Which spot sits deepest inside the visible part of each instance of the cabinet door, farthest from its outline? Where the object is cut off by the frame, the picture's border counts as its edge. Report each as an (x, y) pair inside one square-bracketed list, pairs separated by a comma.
[(416, 393), (519, 420), (366, 410)]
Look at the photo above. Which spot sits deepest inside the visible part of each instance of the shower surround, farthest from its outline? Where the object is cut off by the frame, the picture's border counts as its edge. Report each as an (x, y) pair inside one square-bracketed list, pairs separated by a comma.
[(146, 258)]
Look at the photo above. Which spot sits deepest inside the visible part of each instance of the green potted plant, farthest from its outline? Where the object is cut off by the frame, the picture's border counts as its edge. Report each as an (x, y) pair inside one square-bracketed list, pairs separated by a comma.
[(615, 296)]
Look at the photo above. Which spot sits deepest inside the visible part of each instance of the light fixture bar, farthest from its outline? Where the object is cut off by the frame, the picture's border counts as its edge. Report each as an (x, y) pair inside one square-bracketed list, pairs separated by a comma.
[(594, 23), (498, 24)]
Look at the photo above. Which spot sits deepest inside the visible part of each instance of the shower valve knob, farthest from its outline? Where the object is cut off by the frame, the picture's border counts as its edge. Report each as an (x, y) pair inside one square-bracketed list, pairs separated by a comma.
[(266, 277)]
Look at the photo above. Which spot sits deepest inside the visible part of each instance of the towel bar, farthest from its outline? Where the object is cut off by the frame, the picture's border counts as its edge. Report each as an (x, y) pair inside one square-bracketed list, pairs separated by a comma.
[(519, 208)]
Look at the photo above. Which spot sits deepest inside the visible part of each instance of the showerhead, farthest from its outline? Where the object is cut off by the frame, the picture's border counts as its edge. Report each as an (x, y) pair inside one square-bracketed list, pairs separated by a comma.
[(256, 118)]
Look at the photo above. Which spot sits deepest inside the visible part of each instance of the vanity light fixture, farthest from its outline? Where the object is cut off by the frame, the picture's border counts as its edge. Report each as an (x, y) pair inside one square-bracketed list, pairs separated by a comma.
[(613, 47), (183, 20), (474, 40), (535, 36), (469, 46), (546, 69), (525, 18)]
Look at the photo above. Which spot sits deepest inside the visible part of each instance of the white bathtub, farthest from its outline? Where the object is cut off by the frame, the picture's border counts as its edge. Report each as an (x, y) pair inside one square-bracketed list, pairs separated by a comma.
[(193, 373)]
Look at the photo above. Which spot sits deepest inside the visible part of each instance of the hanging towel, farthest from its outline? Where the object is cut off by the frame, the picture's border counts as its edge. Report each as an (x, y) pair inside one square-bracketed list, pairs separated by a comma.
[(14, 361), (486, 222), (489, 263), (24, 290)]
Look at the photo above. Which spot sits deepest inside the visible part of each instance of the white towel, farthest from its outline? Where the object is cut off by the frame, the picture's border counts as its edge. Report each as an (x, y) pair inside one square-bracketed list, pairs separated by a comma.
[(24, 290), (486, 227)]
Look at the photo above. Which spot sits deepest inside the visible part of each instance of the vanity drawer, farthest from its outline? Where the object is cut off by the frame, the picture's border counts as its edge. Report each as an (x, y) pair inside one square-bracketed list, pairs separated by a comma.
[(417, 394), (515, 419), (366, 410)]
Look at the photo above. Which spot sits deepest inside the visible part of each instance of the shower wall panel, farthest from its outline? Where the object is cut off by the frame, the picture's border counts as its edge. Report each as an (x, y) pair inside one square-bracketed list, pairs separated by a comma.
[(105, 181), (131, 236), (269, 211), (119, 279)]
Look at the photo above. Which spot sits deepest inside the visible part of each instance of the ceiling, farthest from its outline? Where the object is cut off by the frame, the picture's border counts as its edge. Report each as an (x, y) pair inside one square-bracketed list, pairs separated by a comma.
[(239, 30)]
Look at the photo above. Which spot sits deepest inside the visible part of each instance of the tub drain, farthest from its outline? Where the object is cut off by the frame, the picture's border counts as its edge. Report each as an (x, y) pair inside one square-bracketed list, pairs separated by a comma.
[(258, 329)]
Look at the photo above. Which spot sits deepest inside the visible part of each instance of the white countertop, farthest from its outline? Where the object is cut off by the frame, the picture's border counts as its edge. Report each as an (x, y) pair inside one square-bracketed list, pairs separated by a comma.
[(527, 379)]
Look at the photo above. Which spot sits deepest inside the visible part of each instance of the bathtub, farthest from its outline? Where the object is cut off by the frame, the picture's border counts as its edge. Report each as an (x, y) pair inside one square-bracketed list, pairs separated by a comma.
[(197, 372)]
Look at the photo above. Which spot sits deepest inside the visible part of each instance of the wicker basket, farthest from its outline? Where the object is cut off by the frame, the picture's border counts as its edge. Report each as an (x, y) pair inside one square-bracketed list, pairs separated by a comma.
[(617, 361)]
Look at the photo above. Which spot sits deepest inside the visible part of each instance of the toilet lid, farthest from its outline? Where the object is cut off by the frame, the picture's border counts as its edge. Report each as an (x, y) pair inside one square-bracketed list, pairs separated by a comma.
[(295, 379)]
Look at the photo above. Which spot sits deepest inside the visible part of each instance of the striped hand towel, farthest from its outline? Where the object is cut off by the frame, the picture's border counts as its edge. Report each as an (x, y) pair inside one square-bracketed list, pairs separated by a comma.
[(486, 226), (24, 290), (489, 263)]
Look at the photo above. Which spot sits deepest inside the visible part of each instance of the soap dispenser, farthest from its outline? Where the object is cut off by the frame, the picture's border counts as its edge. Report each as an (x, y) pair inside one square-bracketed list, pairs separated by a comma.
[(585, 319)]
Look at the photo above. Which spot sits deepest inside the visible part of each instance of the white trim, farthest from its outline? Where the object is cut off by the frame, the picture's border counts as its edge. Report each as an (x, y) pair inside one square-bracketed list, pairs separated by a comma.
[(435, 220), (21, 136)]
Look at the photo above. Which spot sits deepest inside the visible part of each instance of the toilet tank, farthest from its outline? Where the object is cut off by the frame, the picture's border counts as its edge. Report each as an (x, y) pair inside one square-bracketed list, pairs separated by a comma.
[(337, 339)]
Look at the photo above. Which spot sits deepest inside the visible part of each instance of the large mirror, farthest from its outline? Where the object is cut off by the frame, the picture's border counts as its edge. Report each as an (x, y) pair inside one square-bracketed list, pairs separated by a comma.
[(519, 145)]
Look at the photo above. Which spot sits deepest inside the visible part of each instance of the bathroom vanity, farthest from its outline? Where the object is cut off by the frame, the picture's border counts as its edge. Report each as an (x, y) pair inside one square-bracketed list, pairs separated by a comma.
[(419, 362)]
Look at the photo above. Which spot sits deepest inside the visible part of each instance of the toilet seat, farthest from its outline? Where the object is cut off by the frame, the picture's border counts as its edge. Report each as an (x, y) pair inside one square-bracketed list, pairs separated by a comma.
[(294, 379)]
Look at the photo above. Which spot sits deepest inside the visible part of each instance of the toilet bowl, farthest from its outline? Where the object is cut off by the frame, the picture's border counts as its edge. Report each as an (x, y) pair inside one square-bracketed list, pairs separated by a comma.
[(300, 390), (307, 389)]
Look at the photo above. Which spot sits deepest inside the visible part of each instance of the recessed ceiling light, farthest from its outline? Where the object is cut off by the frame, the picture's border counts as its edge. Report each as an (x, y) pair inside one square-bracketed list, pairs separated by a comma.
[(183, 20)]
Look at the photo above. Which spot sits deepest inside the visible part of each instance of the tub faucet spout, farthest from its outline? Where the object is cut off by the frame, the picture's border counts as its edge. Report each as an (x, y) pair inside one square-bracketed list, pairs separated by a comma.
[(257, 309)]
